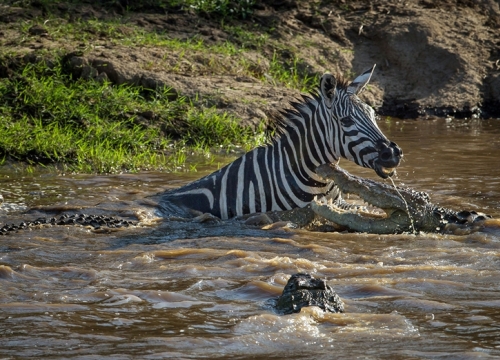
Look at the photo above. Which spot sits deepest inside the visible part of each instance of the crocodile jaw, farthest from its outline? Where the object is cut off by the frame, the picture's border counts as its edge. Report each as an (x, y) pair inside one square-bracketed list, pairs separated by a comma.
[(387, 198), (394, 222), (375, 193)]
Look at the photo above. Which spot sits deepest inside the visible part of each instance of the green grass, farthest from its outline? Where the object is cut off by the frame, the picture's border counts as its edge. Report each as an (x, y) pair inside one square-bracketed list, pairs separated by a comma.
[(48, 118), (236, 9), (293, 74), (223, 8), (248, 37), (88, 33)]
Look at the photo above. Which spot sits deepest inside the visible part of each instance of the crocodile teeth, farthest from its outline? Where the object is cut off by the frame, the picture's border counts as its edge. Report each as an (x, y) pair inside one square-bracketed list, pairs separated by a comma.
[(321, 200)]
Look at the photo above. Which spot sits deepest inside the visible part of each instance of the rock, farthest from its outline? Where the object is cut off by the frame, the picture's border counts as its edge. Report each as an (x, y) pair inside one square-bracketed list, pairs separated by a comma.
[(38, 30), (88, 72), (494, 84), (76, 64)]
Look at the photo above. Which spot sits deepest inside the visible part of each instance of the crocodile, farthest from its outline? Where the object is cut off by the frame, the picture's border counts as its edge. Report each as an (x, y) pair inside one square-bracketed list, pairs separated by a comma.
[(404, 209), (304, 290), (95, 221)]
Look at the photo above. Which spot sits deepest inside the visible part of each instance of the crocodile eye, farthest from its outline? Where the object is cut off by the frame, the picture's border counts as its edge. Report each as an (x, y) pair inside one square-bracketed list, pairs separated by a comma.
[(347, 121)]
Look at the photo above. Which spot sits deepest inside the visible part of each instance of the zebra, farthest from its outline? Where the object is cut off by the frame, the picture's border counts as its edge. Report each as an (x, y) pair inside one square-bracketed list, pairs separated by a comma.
[(330, 123)]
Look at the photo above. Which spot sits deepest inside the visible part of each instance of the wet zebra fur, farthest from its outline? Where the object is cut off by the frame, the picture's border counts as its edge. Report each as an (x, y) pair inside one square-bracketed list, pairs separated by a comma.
[(327, 125)]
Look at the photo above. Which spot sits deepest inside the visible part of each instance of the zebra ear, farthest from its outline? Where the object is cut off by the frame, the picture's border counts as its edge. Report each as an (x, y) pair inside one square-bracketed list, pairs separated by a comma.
[(360, 82), (327, 88)]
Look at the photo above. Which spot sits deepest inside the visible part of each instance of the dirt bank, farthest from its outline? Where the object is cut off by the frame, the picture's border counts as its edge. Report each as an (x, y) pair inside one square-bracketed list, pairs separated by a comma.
[(433, 57)]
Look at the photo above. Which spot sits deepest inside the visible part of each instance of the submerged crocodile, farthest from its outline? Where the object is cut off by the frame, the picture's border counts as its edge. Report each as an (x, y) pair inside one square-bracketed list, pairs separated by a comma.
[(95, 221), (304, 290), (406, 210)]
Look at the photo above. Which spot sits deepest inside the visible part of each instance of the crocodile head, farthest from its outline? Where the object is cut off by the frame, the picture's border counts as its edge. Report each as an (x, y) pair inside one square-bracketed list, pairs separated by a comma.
[(304, 290), (403, 209)]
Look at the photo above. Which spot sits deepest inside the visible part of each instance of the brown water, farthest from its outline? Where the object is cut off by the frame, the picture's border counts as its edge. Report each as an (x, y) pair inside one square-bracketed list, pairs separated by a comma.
[(189, 290)]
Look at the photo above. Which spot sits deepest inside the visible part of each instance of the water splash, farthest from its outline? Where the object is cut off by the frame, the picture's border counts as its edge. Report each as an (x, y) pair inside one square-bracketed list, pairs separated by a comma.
[(412, 223)]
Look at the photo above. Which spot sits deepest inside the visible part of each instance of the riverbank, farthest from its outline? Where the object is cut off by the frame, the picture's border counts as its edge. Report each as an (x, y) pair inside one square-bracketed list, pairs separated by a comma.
[(155, 81)]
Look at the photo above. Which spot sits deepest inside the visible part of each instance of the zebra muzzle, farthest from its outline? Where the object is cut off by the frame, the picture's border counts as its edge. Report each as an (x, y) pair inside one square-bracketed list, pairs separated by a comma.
[(389, 158)]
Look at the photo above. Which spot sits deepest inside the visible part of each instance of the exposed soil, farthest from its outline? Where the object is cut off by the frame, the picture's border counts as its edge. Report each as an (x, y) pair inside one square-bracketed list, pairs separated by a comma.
[(433, 57)]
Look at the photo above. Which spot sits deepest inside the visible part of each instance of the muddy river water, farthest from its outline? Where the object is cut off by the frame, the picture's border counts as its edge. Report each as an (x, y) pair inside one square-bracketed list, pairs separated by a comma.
[(186, 290)]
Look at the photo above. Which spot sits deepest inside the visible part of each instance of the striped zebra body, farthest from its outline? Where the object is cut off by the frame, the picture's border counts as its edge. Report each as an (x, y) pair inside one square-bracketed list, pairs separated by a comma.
[(281, 176)]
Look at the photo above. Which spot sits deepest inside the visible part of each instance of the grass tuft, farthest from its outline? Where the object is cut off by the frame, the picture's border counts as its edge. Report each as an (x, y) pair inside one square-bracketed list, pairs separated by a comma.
[(46, 117), (293, 73)]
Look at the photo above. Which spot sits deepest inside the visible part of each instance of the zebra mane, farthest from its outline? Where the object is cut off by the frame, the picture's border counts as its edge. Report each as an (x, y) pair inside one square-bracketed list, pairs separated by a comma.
[(279, 121)]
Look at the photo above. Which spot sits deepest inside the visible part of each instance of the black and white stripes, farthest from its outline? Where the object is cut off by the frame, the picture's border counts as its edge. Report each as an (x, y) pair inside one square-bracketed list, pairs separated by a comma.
[(281, 175)]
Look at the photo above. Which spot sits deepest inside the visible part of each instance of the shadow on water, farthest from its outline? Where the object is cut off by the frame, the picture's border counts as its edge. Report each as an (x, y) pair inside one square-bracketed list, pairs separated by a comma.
[(170, 231)]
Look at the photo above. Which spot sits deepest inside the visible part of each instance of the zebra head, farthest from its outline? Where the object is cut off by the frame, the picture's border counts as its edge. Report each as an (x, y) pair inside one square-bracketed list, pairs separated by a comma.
[(355, 133)]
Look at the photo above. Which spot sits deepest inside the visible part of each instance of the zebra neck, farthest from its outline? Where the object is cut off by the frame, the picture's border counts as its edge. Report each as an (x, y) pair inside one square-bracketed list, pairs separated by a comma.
[(275, 177), (279, 176), (310, 131)]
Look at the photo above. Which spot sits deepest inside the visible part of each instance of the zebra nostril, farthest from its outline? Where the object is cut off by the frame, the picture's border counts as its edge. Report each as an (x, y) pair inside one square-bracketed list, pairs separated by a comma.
[(386, 154)]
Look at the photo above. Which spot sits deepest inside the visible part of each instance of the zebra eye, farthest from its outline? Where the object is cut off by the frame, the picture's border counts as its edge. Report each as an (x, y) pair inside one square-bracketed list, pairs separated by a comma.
[(347, 121)]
